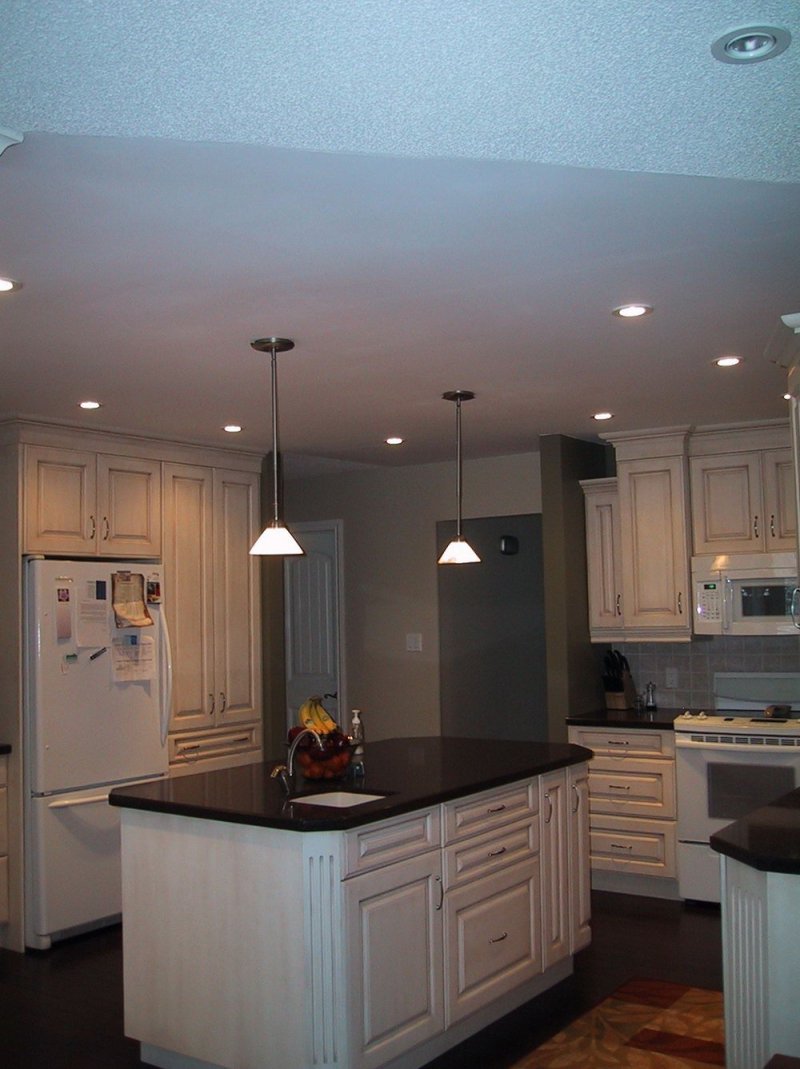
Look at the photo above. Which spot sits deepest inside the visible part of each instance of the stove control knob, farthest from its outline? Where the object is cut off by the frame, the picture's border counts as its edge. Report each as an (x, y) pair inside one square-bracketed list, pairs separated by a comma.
[(688, 713), (701, 715)]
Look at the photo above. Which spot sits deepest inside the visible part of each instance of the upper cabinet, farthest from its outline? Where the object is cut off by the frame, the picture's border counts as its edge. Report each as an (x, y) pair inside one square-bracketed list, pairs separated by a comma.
[(604, 560), (90, 504), (743, 502)]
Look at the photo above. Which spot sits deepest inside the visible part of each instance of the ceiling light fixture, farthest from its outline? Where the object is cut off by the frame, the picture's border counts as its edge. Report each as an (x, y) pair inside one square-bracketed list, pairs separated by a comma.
[(232, 428), (603, 415), (632, 311), (90, 404), (728, 361), (395, 441), (7, 285), (275, 540), (751, 44), (458, 551)]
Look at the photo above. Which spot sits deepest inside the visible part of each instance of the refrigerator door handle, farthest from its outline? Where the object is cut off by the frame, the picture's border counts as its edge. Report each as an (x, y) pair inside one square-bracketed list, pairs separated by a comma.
[(68, 803), (166, 679)]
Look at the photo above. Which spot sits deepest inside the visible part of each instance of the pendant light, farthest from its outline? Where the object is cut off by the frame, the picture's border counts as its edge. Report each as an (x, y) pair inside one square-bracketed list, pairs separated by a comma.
[(459, 551), (275, 540)]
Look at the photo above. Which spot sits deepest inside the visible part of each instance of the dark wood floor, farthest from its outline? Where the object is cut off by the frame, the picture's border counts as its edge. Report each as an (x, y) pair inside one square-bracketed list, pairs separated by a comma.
[(62, 1008)]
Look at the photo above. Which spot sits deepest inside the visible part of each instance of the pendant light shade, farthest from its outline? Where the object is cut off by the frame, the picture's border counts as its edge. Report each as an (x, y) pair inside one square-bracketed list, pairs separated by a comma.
[(275, 540), (458, 551)]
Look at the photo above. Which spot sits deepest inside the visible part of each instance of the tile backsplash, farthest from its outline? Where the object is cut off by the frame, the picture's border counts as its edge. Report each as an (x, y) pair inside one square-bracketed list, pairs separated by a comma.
[(689, 667)]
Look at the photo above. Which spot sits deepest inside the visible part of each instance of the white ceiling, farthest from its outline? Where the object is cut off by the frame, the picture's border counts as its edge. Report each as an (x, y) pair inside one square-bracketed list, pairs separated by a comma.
[(425, 195)]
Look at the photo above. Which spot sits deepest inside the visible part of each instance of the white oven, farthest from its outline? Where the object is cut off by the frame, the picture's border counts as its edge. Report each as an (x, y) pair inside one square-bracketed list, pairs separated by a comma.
[(730, 763)]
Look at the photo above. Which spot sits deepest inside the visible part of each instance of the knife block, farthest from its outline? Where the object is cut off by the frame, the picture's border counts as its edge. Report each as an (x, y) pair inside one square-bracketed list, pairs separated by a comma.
[(622, 699)]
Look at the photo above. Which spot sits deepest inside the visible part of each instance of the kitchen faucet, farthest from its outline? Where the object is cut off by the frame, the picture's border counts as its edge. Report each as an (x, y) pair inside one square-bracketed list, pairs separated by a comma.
[(285, 773)]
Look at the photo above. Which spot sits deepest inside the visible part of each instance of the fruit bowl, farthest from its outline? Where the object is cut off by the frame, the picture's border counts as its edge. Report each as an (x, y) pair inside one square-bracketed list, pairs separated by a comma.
[(330, 761)]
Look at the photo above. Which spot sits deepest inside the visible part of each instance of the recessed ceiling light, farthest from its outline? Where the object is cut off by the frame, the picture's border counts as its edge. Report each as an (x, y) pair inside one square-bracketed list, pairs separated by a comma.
[(728, 361), (632, 311), (751, 44), (603, 415), (90, 404), (9, 284), (395, 441), (787, 397), (232, 428)]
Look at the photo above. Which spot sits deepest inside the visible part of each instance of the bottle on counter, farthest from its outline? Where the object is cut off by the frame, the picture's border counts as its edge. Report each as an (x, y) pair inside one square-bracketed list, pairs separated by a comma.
[(650, 697), (357, 743)]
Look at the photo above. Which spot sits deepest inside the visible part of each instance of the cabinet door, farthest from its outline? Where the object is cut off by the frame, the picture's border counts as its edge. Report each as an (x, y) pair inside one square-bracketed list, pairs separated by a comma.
[(555, 868), (395, 959), (188, 595), (727, 514), (128, 506), (604, 562), (580, 881), (779, 500), (655, 581), (60, 494), (237, 615)]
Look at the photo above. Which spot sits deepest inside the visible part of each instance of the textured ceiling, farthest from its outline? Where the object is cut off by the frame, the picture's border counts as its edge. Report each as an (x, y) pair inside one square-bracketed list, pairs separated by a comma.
[(425, 195)]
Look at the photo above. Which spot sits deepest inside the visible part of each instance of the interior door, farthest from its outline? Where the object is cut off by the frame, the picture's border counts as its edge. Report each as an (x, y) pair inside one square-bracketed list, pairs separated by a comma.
[(313, 613)]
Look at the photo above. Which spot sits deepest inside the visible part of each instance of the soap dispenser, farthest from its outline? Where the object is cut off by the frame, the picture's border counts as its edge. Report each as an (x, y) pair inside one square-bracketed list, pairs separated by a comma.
[(357, 743)]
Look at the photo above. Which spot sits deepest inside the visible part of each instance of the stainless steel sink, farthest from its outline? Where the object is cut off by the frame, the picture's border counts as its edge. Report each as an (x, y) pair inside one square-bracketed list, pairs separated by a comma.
[(337, 799)]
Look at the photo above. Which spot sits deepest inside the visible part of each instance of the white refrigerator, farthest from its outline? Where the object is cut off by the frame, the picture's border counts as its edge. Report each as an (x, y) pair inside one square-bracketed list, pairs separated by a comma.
[(98, 678)]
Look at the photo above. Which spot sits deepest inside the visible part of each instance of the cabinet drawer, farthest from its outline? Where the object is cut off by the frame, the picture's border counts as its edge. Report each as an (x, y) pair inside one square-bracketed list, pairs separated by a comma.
[(3, 890), (640, 787), (3, 820), (644, 847), (193, 747), (481, 855), (391, 840), (492, 937), (489, 810), (639, 742)]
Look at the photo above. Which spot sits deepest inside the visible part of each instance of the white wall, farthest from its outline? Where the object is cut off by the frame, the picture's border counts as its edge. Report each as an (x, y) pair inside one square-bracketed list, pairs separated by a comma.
[(390, 517)]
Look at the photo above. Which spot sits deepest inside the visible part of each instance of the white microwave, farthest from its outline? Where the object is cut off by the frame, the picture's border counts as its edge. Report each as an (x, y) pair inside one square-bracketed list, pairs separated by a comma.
[(746, 594)]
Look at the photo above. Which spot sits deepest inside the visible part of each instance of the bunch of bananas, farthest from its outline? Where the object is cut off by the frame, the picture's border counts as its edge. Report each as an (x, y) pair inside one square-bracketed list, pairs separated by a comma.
[(313, 714)]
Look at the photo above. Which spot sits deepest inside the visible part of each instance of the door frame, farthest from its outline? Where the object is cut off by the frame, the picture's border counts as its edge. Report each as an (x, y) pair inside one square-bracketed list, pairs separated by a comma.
[(337, 527)]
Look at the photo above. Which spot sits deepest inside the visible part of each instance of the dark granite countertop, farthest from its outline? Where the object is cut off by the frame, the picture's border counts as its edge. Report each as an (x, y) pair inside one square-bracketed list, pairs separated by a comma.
[(626, 718), (5, 748), (767, 839), (412, 773)]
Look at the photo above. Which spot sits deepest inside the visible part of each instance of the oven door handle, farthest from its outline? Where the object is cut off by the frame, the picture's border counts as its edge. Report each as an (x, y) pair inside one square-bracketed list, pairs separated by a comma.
[(734, 748)]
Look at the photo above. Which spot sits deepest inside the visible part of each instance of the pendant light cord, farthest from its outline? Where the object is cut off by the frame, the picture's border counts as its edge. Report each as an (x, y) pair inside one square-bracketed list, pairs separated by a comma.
[(275, 508)]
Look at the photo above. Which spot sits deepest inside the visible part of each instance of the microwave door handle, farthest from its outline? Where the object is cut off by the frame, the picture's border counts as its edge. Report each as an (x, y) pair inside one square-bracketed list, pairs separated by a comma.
[(793, 607), (727, 603)]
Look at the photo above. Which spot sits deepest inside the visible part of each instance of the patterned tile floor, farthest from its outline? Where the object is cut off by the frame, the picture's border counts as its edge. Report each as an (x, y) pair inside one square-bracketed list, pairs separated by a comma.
[(645, 1024)]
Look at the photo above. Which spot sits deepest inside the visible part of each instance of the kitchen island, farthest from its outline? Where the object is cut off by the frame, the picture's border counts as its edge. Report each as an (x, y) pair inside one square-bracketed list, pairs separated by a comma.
[(261, 932), (760, 857)]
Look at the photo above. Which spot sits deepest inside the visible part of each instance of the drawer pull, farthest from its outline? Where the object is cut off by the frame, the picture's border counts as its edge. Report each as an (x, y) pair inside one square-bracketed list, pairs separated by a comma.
[(618, 742), (621, 846), (496, 809), (618, 787), (499, 938), (497, 853)]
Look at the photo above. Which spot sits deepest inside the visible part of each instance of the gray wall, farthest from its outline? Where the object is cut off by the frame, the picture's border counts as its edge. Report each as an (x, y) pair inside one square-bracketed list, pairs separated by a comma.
[(390, 517)]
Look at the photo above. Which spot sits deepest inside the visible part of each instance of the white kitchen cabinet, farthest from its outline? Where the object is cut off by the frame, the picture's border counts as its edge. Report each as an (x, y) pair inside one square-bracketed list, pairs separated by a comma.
[(82, 503), (604, 560), (632, 808), (3, 840), (743, 502), (555, 867), (393, 921), (580, 878), (212, 604)]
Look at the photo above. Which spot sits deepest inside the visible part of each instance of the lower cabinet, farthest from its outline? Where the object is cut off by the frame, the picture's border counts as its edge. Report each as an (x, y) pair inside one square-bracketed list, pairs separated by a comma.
[(3, 841)]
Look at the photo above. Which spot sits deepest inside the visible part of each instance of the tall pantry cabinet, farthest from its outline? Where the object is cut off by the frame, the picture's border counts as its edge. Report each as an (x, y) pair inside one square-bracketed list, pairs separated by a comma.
[(83, 494)]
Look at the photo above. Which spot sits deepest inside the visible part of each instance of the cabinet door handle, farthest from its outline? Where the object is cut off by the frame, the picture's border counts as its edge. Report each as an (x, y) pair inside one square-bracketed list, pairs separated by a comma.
[(496, 853), (755, 526), (576, 794), (549, 801), (499, 938), (772, 525), (223, 701), (619, 604), (106, 528), (496, 809), (93, 529), (680, 603), (213, 705), (441, 893)]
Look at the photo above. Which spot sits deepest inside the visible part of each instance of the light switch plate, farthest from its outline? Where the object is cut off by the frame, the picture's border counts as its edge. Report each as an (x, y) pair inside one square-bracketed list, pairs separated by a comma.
[(414, 642)]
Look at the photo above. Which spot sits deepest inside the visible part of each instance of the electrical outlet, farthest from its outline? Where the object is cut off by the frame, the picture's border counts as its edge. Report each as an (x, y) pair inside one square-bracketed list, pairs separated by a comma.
[(414, 642), (671, 678)]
